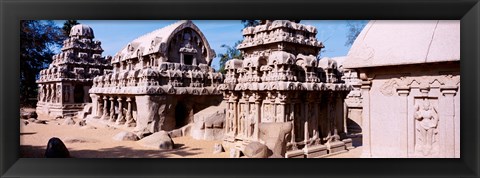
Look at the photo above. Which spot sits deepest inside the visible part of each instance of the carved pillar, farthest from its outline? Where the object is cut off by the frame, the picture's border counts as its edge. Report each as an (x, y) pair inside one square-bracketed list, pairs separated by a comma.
[(406, 133), (128, 115), (95, 105), (120, 118), (367, 152), (112, 109), (258, 104), (105, 108), (448, 121)]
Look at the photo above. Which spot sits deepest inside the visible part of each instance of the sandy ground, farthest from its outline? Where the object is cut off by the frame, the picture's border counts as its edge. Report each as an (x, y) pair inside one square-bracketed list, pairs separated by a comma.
[(85, 142)]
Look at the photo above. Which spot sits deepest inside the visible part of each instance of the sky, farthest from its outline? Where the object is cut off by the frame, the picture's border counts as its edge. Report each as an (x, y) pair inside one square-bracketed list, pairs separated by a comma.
[(116, 34)]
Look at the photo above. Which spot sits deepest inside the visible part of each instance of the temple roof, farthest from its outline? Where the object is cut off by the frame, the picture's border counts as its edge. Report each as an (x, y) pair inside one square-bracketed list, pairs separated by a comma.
[(82, 31), (401, 42), (156, 41)]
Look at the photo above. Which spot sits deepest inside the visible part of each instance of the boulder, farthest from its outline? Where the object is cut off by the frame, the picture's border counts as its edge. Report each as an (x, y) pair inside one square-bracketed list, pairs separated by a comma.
[(208, 125), (82, 123), (125, 136), (218, 148), (56, 149), (58, 117), (273, 134), (256, 150), (32, 119), (68, 121), (88, 127), (28, 114), (159, 140), (80, 140)]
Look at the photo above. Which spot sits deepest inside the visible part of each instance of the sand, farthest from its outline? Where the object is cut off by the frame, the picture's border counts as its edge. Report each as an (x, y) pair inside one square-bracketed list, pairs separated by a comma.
[(85, 142)]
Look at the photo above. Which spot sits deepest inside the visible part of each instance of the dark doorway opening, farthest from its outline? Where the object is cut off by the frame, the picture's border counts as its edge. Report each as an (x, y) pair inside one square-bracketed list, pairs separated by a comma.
[(188, 59), (78, 94), (181, 114)]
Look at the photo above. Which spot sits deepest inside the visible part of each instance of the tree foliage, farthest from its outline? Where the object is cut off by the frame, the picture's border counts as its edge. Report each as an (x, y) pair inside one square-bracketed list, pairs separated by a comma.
[(67, 26), (250, 23), (38, 41), (354, 29), (231, 53)]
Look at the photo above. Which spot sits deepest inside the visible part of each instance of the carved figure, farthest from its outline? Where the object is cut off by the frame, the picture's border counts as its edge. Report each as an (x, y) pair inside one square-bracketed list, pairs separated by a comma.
[(427, 118)]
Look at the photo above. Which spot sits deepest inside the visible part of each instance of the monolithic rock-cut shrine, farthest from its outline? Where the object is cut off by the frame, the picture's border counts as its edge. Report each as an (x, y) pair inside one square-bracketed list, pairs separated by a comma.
[(63, 87), (158, 82), (282, 96), (410, 88)]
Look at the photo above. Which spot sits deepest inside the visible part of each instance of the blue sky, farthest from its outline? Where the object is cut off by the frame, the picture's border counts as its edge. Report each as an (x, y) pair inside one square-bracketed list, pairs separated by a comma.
[(115, 34)]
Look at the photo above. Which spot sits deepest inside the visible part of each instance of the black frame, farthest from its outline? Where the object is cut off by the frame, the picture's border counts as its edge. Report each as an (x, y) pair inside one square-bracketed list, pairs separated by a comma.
[(12, 11)]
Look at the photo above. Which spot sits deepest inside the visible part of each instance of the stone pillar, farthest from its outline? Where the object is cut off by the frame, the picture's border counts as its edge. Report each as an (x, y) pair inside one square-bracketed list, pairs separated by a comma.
[(112, 109), (405, 134), (95, 105), (120, 118), (448, 121), (367, 152), (105, 108), (258, 104), (128, 115), (146, 111)]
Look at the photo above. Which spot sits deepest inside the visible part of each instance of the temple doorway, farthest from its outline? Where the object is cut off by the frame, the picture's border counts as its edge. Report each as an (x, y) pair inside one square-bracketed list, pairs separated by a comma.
[(78, 94), (181, 115)]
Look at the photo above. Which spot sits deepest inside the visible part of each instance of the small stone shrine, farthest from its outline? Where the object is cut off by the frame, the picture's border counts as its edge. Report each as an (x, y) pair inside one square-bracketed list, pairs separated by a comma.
[(410, 88), (281, 95), (159, 81), (63, 86)]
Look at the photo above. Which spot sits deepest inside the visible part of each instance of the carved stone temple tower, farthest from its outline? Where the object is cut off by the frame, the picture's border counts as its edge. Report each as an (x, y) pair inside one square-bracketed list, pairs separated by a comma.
[(63, 86), (159, 81), (281, 95)]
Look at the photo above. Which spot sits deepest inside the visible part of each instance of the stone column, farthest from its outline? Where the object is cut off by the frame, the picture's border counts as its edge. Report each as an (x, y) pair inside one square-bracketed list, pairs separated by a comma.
[(95, 105), (367, 152), (448, 121), (120, 118), (128, 116), (405, 121), (112, 109), (105, 108), (258, 104), (147, 109)]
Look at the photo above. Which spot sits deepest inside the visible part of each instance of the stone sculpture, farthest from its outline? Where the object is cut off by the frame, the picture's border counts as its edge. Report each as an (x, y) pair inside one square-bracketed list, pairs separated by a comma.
[(427, 118), (159, 81), (281, 81), (63, 86)]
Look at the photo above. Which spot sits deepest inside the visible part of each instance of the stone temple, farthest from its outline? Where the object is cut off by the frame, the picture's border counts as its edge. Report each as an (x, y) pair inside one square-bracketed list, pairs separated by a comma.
[(281, 95), (159, 81), (63, 87), (409, 75)]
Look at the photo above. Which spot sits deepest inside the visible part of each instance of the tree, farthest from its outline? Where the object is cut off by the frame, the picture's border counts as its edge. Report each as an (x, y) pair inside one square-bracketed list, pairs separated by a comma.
[(230, 53), (354, 29), (67, 26), (250, 23), (38, 41)]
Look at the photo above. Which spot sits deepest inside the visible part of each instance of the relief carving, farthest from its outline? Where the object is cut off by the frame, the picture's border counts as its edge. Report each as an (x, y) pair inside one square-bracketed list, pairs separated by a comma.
[(426, 117)]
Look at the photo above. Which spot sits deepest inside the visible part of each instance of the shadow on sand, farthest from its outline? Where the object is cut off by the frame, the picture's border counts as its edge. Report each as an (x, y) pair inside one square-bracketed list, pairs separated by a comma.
[(29, 151)]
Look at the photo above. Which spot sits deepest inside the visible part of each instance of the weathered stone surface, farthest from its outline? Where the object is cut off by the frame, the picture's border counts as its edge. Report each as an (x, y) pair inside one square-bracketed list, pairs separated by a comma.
[(256, 150), (158, 140), (274, 136), (218, 148), (56, 149), (32, 120), (68, 121), (125, 136), (209, 124)]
